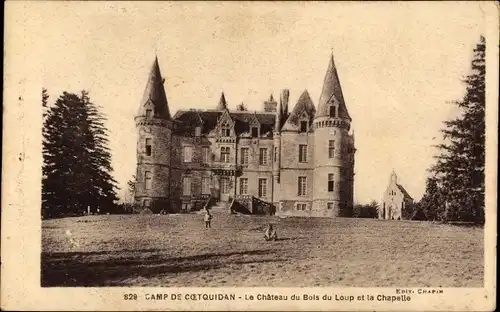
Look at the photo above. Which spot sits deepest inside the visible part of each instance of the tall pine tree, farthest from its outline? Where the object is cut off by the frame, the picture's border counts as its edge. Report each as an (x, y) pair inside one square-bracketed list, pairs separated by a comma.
[(460, 166), (76, 160)]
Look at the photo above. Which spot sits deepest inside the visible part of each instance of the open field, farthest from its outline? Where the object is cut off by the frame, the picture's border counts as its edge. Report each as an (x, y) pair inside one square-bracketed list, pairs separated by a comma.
[(176, 250)]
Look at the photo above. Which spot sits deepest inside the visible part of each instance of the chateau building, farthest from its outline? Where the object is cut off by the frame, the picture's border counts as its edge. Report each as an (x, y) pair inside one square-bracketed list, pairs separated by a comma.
[(298, 162), (394, 201)]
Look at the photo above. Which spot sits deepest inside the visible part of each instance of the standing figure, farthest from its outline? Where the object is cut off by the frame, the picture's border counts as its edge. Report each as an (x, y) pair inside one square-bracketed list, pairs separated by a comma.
[(270, 233), (208, 218)]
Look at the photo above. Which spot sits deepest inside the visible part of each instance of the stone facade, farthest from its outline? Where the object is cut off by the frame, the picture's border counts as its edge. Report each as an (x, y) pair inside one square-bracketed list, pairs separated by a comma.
[(299, 162), (394, 200)]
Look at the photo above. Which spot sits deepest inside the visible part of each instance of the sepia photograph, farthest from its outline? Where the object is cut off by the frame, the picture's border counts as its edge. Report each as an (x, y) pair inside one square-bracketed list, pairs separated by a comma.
[(253, 144)]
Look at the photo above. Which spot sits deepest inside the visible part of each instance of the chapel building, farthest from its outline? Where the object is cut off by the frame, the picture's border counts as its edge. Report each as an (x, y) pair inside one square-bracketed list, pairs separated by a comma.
[(395, 200), (291, 162)]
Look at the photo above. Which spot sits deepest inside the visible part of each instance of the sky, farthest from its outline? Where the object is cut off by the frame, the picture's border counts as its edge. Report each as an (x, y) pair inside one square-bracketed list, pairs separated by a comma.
[(399, 64)]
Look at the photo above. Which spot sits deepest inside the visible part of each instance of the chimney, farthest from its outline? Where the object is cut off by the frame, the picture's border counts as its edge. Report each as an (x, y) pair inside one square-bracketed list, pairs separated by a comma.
[(285, 94)]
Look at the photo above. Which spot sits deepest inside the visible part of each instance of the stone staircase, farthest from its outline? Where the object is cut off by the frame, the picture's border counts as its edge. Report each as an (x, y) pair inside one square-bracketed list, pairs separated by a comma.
[(220, 208)]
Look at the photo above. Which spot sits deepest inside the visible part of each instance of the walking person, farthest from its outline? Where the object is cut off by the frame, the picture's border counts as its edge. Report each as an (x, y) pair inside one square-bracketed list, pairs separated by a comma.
[(208, 218)]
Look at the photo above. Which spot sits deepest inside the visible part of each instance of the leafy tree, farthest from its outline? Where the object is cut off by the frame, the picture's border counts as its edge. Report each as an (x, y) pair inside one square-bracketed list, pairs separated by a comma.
[(432, 204), (76, 161), (460, 166), (417, 212), (366, 211)]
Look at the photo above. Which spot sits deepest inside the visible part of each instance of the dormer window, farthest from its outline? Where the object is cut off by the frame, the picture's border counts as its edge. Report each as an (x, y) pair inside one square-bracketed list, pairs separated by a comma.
[(149, 113), (226, 130), (303, 126), (333, 111), (255, 132)]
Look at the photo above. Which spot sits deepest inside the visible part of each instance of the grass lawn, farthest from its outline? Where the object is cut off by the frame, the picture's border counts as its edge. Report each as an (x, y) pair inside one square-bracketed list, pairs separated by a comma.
[(176, 250)]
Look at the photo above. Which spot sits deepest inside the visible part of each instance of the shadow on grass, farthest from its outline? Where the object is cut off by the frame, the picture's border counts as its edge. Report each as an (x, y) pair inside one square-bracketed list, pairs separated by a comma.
[(74, 269)]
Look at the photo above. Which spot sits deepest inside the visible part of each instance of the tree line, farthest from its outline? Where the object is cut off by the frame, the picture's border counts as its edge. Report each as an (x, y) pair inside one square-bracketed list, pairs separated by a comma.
[(76, 171)]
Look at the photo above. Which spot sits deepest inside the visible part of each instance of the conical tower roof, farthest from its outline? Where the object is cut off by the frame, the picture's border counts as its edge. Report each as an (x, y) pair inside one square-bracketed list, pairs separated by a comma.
[(222, 103), (154, 94), (332, 93)]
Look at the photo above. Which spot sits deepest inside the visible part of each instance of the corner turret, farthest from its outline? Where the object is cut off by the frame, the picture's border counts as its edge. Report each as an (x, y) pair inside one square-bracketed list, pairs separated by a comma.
[(154, 126), (334, 150)]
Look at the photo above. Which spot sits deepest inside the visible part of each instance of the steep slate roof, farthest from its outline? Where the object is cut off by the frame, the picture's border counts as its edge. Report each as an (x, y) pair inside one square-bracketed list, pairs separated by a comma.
[(304, 103), (332, 92), (154, 93), (405, 193), (187, 120), (222, 103)]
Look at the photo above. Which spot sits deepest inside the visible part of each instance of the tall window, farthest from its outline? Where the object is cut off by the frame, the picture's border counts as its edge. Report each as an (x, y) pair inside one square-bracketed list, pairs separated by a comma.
[(188, 154), (148, 180), (224, 154), (262, 187), (148, 147), (244, 156), (303, 126), (243, 186), (205, 185), (303, 153), (263, 156), (330, 182), (197, 131), (275, 154), (333, 111), (255, 132), (224, 185), (302, 186), (226, 130), (331, 148), (186, 185), (149, 113), (206, 155)]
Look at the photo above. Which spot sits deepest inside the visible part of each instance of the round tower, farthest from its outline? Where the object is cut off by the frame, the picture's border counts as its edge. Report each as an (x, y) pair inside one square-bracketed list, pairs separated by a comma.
[(333, 150), (154, 126)]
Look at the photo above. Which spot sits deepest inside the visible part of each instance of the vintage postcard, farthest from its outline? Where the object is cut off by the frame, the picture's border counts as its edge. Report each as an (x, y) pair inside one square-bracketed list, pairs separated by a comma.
[(276, 156)]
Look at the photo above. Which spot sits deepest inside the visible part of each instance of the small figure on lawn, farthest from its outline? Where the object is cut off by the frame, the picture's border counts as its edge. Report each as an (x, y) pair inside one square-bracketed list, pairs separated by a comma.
[(270, 234), (208, 218)]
